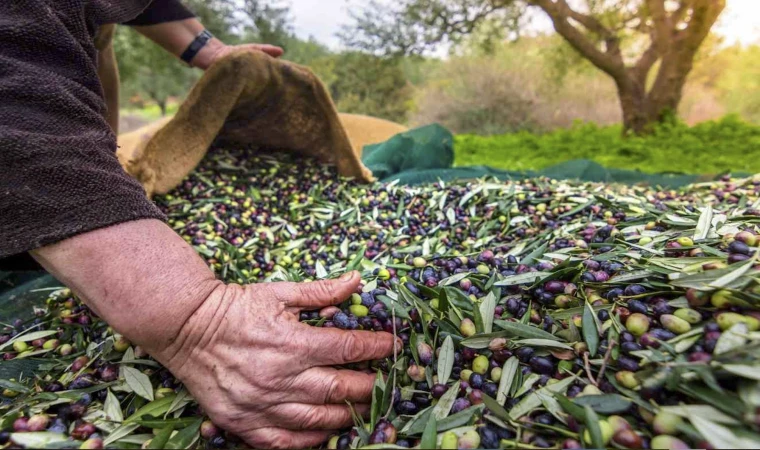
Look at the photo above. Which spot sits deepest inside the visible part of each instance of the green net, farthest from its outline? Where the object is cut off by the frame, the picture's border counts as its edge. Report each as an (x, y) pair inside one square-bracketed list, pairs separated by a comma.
[(426, 155)]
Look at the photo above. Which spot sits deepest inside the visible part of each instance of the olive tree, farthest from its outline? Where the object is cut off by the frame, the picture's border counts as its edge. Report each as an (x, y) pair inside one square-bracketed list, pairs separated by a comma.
[(647, 47)]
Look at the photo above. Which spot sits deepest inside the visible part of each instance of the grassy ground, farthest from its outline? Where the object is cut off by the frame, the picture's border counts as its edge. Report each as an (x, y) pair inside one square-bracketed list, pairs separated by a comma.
[(708, 148), (151, 112)]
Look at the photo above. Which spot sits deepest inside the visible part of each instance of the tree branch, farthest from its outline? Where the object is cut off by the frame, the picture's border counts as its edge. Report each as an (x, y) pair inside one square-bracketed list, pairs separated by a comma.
[(645, 63), (611, 61), (662, 31)]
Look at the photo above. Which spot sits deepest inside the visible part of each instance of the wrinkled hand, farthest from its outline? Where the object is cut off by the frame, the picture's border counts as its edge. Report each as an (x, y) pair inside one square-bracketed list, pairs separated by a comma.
[(261, 374), (216, 50)]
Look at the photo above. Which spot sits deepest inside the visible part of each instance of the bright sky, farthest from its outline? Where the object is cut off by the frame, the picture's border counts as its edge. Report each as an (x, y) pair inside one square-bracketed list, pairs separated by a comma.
[(740, 21)]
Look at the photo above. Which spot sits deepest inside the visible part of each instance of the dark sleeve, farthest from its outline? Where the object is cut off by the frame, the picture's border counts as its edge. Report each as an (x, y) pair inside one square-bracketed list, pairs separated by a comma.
[(161, 11), (59, 175)]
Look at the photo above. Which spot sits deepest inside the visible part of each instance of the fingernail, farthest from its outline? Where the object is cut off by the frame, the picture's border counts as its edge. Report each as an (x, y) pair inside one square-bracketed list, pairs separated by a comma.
[(346, 276)]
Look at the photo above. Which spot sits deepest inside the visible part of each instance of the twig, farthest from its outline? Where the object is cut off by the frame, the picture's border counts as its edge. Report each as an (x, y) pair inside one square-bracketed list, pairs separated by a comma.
[(606, 359), (395, 357), (588, 370)]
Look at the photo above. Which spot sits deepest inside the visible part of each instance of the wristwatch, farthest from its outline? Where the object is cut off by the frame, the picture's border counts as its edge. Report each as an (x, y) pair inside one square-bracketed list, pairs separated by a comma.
[(198, 43)]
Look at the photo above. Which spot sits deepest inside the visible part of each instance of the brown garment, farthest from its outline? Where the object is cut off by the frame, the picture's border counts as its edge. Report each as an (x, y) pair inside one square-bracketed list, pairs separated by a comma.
[(59, 175)]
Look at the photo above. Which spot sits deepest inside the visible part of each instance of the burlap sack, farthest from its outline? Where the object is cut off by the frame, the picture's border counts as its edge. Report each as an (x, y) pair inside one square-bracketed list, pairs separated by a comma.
[(246, 99)]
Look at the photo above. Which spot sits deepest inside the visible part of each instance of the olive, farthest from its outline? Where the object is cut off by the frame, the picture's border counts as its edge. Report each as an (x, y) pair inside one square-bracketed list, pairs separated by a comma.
[(637, 324), (637, 306), (675, 324), (460, 404), (627, 439), (629, 364), (488, 437), (665, 442), (739, 247), (541, 364), (476, 380), (449, 441), (480, 364), (524, 353)]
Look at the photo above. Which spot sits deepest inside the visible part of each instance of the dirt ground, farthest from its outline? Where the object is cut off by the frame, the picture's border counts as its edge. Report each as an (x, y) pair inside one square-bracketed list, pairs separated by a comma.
[(131, 122)]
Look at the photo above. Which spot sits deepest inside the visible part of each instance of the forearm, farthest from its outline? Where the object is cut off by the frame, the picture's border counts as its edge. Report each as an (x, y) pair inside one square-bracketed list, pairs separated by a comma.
[(140, 276), (176, 36)]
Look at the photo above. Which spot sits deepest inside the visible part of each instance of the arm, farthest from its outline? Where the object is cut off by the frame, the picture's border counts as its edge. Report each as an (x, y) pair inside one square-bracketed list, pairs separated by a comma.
[(257, 371), (240, 351), (176, 36)]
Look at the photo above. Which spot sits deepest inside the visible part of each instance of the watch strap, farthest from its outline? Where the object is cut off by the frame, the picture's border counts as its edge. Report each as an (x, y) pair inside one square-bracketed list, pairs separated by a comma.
[(198, 43)]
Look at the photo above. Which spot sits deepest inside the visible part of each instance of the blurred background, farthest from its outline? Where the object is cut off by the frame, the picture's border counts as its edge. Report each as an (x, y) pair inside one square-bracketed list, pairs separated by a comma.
[(659, 86)]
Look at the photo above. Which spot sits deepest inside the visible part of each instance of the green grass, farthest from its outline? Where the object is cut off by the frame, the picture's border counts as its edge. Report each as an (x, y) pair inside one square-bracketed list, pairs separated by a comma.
[(151, 112), (708, 148)]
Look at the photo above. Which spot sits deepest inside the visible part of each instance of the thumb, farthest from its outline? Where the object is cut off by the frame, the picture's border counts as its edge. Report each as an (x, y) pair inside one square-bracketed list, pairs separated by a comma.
[(319, 294)]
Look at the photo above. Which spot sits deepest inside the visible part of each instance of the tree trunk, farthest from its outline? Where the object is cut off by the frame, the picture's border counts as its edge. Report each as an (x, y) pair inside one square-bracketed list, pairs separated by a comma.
[(162, 106), (635, 106)]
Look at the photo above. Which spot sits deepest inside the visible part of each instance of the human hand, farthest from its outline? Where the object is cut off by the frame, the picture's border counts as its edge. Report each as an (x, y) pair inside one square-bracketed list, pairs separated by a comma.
[(216, 50), (262, 375)]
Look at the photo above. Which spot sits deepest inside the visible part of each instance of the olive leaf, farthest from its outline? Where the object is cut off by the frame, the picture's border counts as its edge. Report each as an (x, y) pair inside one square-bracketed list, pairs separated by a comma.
[(705, 411), (138, 382), (161, 438), (495, 408), (38, 439), (443, 407), (417, 424), (443, 302), (590, 332), (478, 319), (457, 298), (523, 278), (430, 434), (112, 408), (743, 370), (535, 254), (516, 329), (124, 430), (720, 436), (186, 437), (508, 372), (155, 408), (378, 389), (731, 339), (182, 398), (543, 343), (604, 404), (481, 341), (320, 270), (487, 308), (527, 384), (551, 405), (571, 408), (631, 276), (704, 224), (749, 391), (445, 360), (532, 401), (592, 424)]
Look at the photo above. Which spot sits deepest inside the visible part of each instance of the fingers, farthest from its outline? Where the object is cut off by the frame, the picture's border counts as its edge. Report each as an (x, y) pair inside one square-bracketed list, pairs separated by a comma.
[(270, 50), (332, 386), (318, 294), (298, 416), (280, 438), (332, 346)]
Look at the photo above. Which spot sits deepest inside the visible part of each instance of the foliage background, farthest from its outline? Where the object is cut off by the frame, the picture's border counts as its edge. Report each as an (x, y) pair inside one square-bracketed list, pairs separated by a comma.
[(515, 104)]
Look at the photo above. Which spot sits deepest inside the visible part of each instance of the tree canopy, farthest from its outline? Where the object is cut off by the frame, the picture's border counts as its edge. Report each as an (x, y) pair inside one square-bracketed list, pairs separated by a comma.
[(626, 39)]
